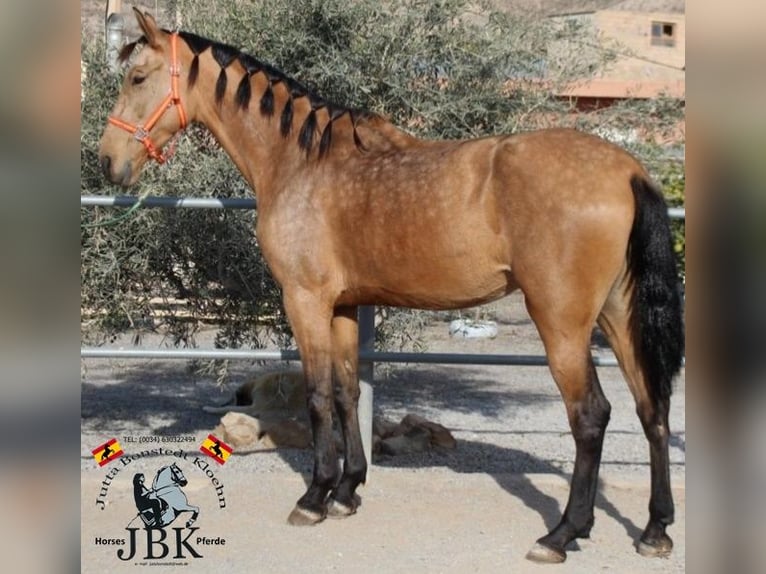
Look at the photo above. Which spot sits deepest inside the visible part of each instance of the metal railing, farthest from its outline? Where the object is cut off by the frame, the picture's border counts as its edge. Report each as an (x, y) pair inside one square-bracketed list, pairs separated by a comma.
[(365, 355), (216, 203)]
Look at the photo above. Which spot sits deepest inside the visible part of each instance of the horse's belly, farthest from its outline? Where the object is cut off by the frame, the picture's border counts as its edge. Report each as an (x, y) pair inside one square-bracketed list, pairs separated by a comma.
[(434, 285)]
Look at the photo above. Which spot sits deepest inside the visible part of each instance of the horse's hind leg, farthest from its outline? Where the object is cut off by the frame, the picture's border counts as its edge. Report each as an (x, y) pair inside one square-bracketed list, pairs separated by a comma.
[(653, 412), (565, 331), (345, 337)]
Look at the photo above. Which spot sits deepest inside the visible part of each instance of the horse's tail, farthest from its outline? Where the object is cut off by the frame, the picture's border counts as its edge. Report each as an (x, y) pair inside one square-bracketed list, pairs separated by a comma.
[(656, 308)]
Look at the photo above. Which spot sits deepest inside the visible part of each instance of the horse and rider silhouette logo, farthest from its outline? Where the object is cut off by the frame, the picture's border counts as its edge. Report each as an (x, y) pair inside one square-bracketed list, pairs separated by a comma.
[(160, 506)]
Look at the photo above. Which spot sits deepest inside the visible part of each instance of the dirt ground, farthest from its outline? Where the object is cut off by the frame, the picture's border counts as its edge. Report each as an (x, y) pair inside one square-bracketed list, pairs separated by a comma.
[(479, 507)]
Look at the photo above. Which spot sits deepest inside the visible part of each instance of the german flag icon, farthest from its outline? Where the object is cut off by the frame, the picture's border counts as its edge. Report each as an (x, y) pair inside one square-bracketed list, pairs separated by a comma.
[(216, 448), (107, 452)]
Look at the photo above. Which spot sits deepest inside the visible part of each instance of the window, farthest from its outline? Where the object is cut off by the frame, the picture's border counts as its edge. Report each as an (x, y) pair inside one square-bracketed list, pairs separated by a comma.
[(663, 34)]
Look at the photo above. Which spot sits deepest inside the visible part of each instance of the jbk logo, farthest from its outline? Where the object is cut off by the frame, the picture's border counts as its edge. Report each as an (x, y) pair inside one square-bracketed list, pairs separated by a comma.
[(157, 544), (157, 508), (165, 527)]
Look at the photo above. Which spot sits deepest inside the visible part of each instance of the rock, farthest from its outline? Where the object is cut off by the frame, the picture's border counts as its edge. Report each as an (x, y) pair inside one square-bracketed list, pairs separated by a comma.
[(384, 428), (440, 435), (416, 439), (443, 439), (240, 430)]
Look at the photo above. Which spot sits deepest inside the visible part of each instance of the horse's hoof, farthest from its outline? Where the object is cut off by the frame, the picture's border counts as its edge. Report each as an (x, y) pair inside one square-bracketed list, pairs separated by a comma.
[(302, 517), (546, 555), (655, 548), (336, 509)]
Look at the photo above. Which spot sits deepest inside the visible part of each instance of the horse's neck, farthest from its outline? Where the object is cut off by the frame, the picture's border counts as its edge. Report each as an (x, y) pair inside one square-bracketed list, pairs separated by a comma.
[(255, 142), (248, 143), (158, 480)]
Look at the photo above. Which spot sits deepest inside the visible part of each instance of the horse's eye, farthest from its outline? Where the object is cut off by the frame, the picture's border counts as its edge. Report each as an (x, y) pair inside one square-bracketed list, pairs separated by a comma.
[(138, 80)]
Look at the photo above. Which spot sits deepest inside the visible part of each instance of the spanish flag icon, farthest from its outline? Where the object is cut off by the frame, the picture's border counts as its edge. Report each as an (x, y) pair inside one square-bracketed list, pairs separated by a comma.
[(107, 452), (216, 448)]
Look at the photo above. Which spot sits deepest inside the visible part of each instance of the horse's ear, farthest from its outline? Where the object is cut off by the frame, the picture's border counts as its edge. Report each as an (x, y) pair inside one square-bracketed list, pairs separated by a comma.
[(148, 26)]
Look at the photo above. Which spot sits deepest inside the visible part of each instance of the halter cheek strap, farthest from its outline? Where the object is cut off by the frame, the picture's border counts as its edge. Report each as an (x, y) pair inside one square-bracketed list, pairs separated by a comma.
[(173, 99)]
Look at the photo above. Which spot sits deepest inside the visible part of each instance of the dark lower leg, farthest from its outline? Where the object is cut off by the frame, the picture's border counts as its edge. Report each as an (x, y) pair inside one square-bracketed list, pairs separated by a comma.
[(326, 469), (354, 464), (588, 420), (345, 332), (654, 540)]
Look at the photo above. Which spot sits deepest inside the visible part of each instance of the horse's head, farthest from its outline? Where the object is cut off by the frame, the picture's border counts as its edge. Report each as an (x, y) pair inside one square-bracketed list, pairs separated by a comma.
[(178, 475), (144, 118)]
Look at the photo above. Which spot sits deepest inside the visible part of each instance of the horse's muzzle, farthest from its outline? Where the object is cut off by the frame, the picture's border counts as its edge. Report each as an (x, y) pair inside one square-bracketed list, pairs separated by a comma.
[(122, 178)]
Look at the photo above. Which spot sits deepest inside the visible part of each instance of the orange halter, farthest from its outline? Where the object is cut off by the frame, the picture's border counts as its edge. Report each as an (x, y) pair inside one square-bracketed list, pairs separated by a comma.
[(141, 132)]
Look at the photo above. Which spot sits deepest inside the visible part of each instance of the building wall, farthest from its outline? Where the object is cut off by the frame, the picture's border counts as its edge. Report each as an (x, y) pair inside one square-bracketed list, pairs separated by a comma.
[(633, 31)]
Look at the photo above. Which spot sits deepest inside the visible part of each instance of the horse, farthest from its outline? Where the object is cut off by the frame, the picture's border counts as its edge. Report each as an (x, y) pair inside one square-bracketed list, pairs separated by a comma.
[(386, 218), (167, 488)]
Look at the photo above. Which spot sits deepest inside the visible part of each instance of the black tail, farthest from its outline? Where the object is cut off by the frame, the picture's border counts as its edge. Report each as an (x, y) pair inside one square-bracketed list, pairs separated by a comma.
[(657, 315)]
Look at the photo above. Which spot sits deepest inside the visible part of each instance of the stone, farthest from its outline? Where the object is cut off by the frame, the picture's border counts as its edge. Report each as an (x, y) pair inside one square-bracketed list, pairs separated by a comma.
[(384, 428), (240, 430), (416, 439), (439, 435)]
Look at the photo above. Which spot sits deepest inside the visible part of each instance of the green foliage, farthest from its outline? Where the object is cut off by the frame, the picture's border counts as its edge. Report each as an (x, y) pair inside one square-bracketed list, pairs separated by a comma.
[(434, 67), (672, 179)]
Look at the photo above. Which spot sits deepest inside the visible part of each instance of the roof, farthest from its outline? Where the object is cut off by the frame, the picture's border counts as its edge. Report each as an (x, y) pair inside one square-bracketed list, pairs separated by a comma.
[(676, 6), (606, 88), (563, 7)]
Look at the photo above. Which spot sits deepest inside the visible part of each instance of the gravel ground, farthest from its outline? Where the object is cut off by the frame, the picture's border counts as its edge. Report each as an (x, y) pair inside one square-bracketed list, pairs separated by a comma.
[(514, 450)]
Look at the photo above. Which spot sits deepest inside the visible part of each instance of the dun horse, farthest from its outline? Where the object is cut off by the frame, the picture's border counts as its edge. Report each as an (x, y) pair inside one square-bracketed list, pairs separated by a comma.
[(389, 219)]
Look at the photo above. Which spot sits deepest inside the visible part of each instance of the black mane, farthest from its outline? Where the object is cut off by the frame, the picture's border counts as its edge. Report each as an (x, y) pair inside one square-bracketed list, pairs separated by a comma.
[(224, 55)]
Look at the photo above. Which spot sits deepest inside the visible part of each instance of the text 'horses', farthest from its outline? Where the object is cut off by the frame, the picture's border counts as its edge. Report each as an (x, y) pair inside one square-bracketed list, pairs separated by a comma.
[(353, 211)]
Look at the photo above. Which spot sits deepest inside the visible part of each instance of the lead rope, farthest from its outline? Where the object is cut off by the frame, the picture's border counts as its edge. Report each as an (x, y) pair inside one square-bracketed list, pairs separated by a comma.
[(119, 218)]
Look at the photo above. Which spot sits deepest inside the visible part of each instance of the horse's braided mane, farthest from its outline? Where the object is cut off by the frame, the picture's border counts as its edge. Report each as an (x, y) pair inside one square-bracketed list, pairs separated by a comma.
[(224, 55)]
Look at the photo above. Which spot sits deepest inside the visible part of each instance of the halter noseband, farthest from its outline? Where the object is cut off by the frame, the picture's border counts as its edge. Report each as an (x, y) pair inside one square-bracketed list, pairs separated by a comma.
[(141, 132)]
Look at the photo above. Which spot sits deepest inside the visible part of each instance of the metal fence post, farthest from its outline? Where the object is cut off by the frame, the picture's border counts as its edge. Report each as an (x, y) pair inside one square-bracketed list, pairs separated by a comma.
[(366, 319), (114, 32)]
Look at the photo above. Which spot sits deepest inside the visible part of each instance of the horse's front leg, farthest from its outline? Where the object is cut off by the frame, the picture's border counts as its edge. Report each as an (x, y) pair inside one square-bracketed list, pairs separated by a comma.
[(310, 319), (345, 353), (195, 514)]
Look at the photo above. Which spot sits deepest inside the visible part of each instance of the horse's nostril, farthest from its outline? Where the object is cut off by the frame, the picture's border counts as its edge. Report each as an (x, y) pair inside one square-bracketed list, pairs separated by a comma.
[(106, 165)]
